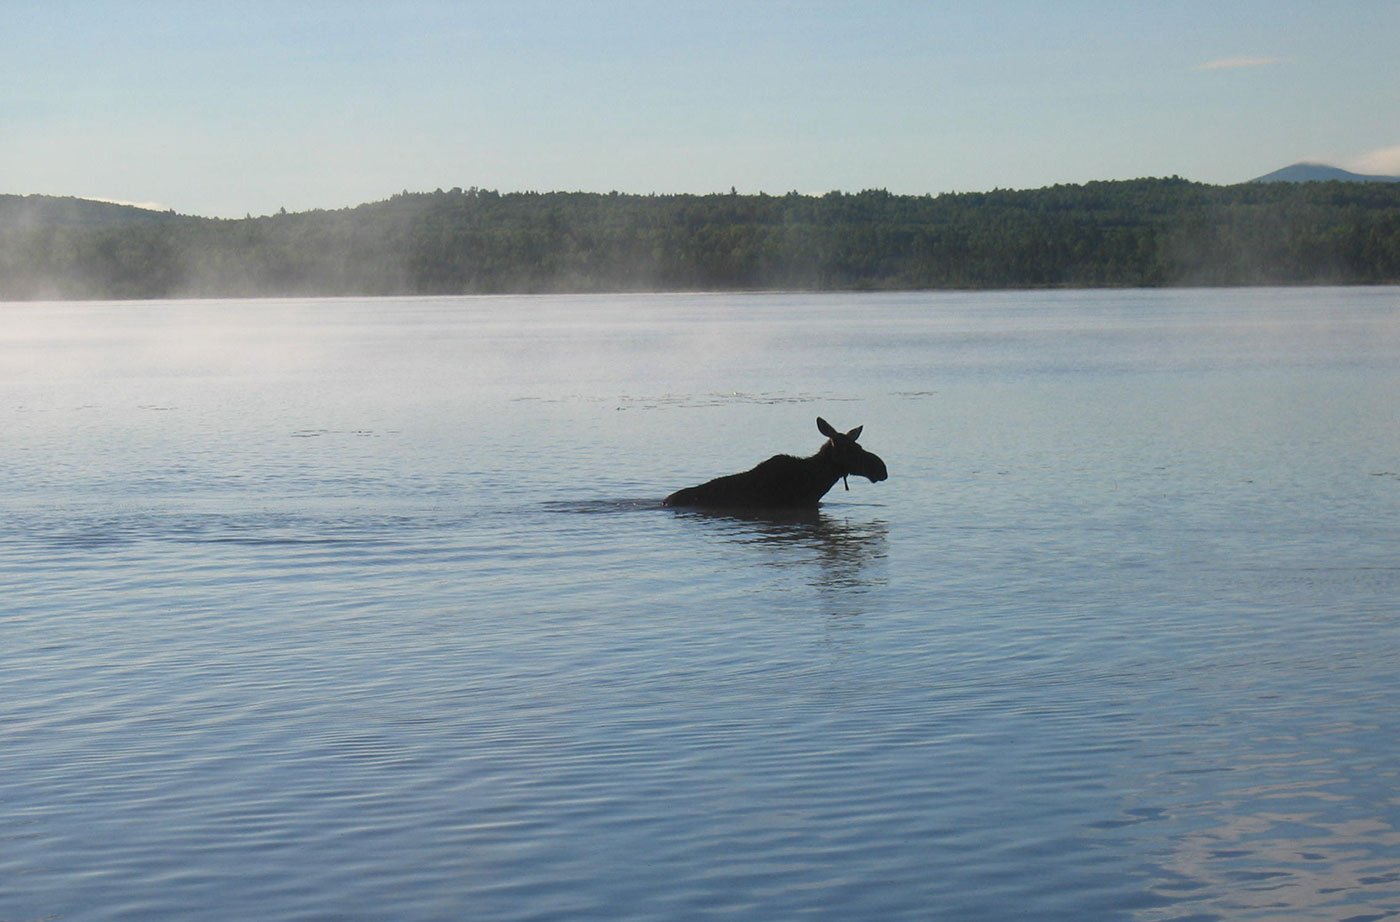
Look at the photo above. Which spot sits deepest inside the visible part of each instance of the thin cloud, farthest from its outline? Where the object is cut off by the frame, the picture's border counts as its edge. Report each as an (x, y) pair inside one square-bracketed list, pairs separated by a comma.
[(1383, 162), (148, 206), (1228, 63)]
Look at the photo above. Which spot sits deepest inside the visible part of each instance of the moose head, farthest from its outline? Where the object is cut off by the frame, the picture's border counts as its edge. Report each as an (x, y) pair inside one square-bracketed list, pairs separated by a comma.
[(849, 457)]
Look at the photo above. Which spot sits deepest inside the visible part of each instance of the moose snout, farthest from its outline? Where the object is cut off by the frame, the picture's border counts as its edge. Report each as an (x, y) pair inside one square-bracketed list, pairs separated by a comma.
[(877, 471)]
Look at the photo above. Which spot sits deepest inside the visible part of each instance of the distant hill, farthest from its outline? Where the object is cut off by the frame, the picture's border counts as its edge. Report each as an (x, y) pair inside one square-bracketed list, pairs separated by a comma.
[(1319, 172), (31, 211)]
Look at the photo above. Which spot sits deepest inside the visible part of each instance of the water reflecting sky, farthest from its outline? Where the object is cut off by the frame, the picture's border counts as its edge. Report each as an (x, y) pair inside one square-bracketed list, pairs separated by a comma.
[(369, 609)]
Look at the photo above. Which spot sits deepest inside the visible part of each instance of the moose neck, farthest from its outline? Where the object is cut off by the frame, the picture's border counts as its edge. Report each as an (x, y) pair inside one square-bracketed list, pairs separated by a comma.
[(825, 470)]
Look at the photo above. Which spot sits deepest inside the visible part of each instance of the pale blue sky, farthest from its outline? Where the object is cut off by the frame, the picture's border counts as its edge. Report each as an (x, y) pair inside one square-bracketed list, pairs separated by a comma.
[(229, 107)]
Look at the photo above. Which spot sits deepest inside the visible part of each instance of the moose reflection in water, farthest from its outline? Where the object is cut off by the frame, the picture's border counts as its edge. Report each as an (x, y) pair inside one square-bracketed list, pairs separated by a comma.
[(785, 482)]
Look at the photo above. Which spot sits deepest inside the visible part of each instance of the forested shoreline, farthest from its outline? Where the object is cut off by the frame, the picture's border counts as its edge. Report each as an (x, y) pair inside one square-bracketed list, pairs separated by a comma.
[(1135, 233)]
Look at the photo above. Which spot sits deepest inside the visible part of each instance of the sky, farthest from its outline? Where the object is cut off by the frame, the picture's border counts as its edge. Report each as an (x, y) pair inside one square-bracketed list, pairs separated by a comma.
[(243, 107)]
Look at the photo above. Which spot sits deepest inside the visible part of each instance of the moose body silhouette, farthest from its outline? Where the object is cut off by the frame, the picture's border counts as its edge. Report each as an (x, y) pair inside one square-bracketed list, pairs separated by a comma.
[(785, 482)]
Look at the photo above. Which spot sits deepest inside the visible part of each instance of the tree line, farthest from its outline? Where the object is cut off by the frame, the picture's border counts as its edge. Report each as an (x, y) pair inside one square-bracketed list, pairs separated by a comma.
[(1136, 233)]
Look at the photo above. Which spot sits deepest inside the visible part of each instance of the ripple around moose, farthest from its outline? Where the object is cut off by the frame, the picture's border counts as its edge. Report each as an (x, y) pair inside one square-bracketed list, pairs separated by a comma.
[(786, 482)]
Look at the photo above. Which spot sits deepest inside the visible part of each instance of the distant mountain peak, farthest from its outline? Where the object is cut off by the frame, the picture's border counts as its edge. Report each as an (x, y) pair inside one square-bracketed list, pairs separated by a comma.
[(1319, 172)]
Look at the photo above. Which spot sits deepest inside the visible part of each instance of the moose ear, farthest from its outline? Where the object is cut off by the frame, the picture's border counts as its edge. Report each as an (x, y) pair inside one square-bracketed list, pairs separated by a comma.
[(854, 433), (825, 428)]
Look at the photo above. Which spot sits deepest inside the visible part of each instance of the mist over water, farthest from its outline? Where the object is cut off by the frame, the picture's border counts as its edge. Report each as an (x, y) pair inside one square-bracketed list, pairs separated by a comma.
[(368, 609)]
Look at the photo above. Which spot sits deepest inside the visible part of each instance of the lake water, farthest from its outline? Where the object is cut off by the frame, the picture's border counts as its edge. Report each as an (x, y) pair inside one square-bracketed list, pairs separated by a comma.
[(367, 609)]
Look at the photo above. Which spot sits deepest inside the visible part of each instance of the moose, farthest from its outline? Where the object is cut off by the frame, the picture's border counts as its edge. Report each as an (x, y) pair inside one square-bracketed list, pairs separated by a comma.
[(785, 482)]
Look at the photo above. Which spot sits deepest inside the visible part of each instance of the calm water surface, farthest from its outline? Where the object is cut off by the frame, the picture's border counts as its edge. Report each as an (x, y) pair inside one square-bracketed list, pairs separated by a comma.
[(366, 609)]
